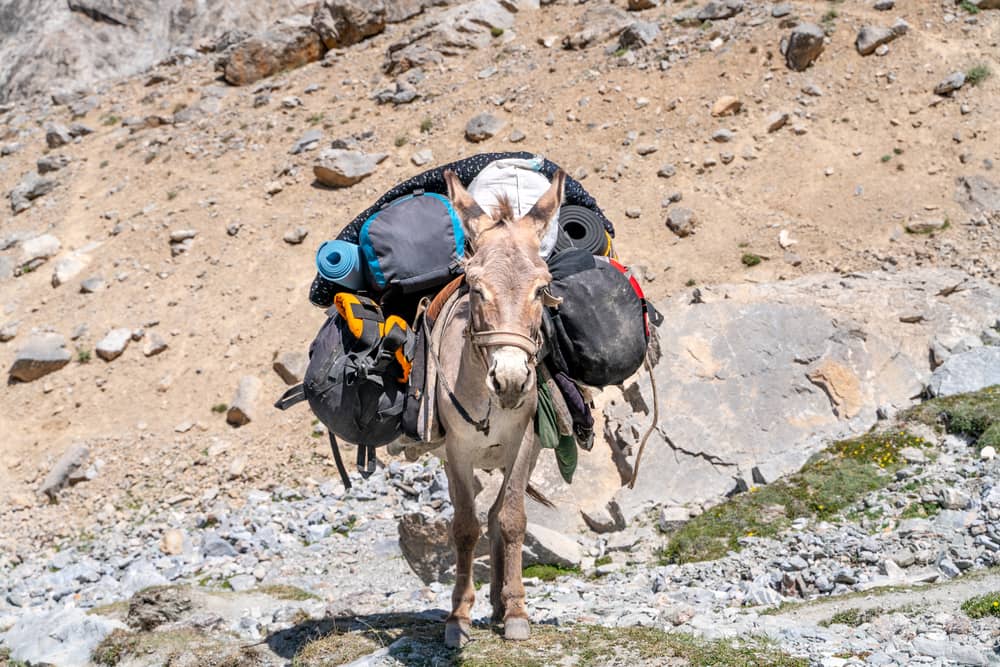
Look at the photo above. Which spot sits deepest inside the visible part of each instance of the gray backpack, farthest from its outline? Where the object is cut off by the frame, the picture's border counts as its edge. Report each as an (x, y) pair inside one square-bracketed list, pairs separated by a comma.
[(356, 380)]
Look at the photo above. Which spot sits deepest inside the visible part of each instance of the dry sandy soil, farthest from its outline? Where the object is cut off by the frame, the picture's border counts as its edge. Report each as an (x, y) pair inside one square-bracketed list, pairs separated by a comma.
[(227, 305)]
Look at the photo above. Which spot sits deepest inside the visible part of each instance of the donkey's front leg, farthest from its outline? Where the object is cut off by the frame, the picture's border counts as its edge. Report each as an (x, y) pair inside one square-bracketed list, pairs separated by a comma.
[(513, 521), (465, 533)]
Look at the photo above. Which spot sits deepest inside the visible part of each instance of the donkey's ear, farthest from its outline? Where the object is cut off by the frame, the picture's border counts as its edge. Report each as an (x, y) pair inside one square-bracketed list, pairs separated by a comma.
[(548, 204), (472, 216)]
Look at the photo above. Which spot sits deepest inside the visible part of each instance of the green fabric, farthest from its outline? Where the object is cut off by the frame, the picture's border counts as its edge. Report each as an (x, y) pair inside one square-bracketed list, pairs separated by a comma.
[(549, 436)]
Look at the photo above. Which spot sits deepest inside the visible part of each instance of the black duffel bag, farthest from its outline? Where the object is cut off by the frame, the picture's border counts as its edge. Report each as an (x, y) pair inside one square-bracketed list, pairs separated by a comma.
[(599, 333)]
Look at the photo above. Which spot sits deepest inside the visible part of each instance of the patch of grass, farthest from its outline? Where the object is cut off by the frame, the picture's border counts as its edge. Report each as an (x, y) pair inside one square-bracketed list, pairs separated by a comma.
[(82, 355), (829, 482), (401, 140), (977, 74), (969, 7), (286, 592), (690, 282), (920, 510), (619, 52), (172, 195), (829, 17), (603, 560), (975, 415), (315, 119), (104, 163), (897, 150), (886, 157), (982, 606), (853, 617), (117, 645), (496, 32), (549, 572), (587, 645), (111, 120), (426, 125), (220, 407), (750, 259)]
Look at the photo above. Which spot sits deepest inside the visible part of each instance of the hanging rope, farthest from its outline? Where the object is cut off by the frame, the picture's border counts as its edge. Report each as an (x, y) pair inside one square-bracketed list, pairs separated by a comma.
[(652, 426)]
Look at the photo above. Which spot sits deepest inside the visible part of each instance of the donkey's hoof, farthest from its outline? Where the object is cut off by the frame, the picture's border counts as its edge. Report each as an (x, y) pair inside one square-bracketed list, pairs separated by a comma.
[(516, 629), (456, 634)]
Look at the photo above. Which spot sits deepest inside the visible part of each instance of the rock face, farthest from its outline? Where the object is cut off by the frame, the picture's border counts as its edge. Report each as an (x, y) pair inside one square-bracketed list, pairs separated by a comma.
[(968, 371), (43, 354), (803, 46), (287, 45), (341, 23), (52, 45), (814, 357)]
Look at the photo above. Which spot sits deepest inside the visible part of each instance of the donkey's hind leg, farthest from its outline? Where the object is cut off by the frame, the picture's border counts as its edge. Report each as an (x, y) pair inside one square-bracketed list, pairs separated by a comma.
[(465, 533)]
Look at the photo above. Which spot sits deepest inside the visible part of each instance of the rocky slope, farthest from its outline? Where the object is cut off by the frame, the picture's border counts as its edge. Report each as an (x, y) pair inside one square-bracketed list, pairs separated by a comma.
[(820, 225)]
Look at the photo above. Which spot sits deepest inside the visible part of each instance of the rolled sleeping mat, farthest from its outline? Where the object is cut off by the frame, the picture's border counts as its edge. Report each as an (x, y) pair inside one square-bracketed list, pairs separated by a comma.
[(340, 263), (582, 228)]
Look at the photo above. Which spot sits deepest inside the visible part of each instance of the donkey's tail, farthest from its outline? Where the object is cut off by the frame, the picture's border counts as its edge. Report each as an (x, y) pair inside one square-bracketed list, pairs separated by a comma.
[(539, 497)]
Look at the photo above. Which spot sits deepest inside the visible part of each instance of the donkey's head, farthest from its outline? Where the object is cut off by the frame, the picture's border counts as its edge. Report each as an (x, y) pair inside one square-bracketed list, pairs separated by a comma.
[(507, 285)]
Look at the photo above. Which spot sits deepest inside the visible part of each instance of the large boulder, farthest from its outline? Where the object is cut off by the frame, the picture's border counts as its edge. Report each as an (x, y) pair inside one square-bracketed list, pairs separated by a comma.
[(453, 32), (64, 636), (761, 376), (965, 372), (341, 23), (286, 45), (803, 46), (871, 37), (341, 168)]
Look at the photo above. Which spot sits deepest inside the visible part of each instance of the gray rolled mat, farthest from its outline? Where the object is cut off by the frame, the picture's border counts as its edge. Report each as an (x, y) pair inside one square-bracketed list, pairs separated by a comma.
[(581, 228)]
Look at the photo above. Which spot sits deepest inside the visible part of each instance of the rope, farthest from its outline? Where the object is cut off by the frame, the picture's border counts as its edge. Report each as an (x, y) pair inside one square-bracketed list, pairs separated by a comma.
[(652, 426)]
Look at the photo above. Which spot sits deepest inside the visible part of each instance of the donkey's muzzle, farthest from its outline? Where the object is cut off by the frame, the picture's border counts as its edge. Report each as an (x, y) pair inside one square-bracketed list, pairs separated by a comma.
[(509, 376)]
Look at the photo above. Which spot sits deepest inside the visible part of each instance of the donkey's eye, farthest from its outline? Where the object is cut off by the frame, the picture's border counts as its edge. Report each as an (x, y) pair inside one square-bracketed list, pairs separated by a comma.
[(539, 292), (478, 293)]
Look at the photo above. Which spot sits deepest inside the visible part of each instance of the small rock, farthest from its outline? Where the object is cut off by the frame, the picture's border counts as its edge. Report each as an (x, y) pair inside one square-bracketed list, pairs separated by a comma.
[(483, 127), (67, 471), (681, 221), (988, 453), (781, 10), (341, 168), (422, 157), (646, 149), (41, 355), (51, 163), (91, 285), (67, 268), (727, 105), (296, 236), (154, 345), (517, 136), (28, 190), (926, 226), (871, 37), (57, 135), (666, 171), (242, 409), (307, 142), (290, 366), (172, 542), (722, 136), (950, 84), (803, 46), (545, 546), (8, 331), (776, 121), (113, 344)]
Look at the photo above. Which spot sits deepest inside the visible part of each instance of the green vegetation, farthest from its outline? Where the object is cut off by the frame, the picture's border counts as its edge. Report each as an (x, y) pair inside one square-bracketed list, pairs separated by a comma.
[(171, 195), (690, 282), (975, 415), (853, 617), (104, 163), (496, 32), (82, 355), (220, 407), (426, 125), (401, 140), (603, 560), (549, 572), (750, 259), (976, 75), (829, 17), (829, 482), (982, 606), (315, 119), (920, 510), (969, 7), (110, 120), (344, 640), (619, 52), (897, 150)]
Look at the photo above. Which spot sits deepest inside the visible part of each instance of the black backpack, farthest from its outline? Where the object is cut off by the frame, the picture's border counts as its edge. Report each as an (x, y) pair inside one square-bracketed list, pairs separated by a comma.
[(357, 378), (599, 333)]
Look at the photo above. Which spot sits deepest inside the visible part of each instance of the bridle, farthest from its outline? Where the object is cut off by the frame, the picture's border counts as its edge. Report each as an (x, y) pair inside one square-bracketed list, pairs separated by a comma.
[(483, 340)]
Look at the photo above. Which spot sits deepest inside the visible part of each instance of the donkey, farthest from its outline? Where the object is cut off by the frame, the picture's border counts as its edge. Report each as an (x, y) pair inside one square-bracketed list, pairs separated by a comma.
[(486, 394)]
